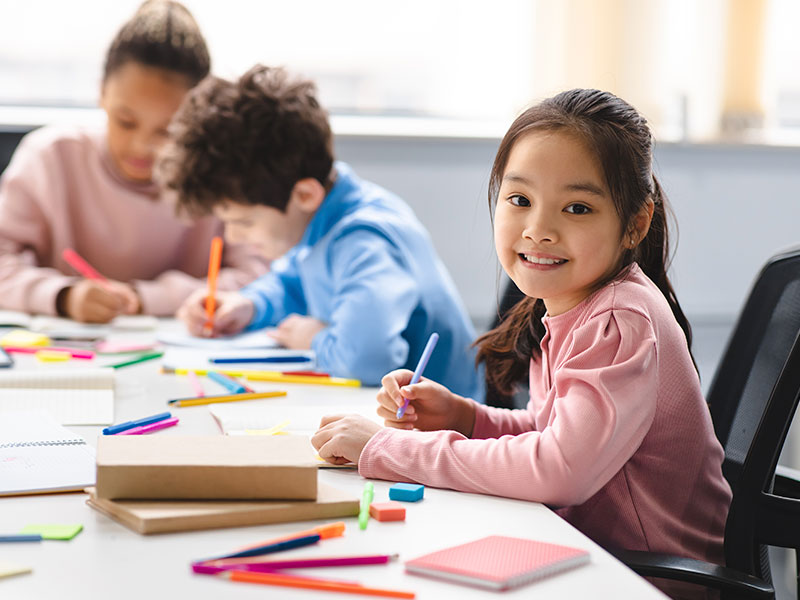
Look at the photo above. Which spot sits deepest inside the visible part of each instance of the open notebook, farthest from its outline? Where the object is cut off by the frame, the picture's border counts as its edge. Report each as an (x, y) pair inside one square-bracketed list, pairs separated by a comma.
[(37, 455), (72, 396)]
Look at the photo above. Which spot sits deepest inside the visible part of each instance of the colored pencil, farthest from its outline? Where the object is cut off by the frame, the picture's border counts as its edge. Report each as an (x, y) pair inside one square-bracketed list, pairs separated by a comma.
[(136, 360), (298, 542), (278, 377), (322, 585), (214, 260), (223, 398), (84, 268), (260, 565), (327, 531), (273, 376), (196, 385)]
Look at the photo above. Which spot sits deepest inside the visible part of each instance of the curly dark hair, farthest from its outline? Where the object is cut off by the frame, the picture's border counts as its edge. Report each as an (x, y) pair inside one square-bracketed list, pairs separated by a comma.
[(247, 141), (161, 34)]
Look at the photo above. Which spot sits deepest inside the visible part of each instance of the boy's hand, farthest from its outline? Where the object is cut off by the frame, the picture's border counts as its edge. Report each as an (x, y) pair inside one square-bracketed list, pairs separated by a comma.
[(341, 438), (431, 406), (233, 313), (90, 301), (296, 332)]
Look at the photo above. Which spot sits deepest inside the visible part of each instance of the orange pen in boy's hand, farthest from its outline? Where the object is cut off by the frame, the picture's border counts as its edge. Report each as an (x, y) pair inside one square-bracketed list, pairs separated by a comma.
[(214, 260)]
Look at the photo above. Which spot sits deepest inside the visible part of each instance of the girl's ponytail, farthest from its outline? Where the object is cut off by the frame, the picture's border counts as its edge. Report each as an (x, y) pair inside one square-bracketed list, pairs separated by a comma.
[(508, 348), (652, 255)]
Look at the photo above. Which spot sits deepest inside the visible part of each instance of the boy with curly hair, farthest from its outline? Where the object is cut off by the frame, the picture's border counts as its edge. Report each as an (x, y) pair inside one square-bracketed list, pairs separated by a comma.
[(354, 274)]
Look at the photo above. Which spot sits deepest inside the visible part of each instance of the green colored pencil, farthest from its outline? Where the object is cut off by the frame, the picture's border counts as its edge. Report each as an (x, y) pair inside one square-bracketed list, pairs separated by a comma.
[(137, 359)]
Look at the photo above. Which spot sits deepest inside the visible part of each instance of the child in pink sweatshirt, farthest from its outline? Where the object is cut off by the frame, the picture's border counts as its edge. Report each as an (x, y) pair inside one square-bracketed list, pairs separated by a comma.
[(90, 189), (616, 435)]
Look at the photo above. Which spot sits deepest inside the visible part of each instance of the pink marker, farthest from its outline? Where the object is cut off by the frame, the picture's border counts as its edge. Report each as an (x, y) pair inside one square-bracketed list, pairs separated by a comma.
[(83, 354), (150, 428)]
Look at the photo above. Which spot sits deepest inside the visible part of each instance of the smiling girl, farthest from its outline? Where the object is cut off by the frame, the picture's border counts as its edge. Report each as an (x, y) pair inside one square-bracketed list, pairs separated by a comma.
[(90, 189), (616, 435)]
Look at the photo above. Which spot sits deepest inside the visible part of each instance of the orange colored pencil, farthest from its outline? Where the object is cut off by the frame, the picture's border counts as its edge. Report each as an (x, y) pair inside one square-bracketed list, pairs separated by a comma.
[(282, 580), (214, 260)]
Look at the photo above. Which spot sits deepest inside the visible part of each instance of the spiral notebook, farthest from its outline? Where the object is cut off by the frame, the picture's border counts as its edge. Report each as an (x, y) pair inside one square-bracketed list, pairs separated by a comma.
[(37, 455), (498, 562)]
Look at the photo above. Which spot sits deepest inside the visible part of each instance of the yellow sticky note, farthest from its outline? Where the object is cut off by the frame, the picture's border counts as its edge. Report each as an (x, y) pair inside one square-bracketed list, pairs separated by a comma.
[(53, 355), (24, 338)]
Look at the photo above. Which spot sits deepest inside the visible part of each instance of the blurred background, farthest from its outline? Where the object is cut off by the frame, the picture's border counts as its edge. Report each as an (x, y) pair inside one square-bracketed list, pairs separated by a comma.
[(420, 93)]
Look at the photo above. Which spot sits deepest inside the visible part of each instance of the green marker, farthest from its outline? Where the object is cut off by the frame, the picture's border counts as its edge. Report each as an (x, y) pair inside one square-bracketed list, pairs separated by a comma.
[(366, 500), (137, 359)]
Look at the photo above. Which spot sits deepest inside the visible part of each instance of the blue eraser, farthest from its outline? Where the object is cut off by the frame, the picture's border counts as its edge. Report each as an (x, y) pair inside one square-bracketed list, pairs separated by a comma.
[(406, 492)]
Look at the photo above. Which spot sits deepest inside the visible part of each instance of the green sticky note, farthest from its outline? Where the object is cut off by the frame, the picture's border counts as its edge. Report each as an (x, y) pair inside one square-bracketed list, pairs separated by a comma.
[(54, 531)]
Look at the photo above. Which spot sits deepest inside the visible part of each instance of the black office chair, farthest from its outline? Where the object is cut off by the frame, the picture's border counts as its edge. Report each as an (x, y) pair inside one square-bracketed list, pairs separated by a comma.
[(753, 399)]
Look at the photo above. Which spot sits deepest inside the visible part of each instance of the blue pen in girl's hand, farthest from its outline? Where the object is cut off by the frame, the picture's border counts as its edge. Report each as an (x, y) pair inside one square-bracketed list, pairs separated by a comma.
[(423, 362)]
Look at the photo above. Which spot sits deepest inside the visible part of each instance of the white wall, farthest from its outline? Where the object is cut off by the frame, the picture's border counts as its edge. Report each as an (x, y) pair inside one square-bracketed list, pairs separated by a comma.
[(735, 206)]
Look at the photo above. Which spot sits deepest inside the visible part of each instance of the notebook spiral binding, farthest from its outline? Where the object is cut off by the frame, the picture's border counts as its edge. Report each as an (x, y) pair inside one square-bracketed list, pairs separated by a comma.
[(72, 442)]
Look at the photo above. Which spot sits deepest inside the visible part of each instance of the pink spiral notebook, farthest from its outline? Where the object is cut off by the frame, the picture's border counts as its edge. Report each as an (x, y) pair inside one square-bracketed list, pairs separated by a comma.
[(497, 562)]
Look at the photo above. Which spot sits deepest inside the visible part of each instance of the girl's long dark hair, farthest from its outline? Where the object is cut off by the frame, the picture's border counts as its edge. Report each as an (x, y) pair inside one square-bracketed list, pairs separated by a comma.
[(621, 140)]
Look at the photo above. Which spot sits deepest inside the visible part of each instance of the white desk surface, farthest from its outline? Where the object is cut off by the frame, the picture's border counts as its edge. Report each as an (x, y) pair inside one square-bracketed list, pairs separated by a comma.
[(107, 560)]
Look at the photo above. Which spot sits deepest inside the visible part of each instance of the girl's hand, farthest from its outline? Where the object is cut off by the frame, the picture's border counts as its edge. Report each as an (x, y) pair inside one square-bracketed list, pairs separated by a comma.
[(431, 406), (341, 438), (296, 332), (90, 301), (233, 313)]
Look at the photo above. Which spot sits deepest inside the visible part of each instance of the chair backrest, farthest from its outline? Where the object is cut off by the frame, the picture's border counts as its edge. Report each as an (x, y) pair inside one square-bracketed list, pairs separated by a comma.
[(752, 400), (757, 350)]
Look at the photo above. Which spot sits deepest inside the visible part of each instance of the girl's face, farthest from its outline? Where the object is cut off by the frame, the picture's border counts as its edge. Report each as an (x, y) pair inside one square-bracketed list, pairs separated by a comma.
[(556, 230), (139, 101)]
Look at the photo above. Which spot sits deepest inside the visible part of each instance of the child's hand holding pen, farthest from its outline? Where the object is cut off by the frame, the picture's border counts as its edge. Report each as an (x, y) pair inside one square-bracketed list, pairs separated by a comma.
[(91, 301), (431, 406), (233, 312)]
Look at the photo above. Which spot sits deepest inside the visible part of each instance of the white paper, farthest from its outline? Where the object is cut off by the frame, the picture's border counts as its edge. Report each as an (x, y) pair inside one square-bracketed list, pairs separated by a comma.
[(71, 396), (251, 339)]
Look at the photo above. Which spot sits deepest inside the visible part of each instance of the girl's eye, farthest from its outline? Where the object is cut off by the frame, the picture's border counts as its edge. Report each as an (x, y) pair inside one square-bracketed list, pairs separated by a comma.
[(126, 124), (518, 200), (578, 209)]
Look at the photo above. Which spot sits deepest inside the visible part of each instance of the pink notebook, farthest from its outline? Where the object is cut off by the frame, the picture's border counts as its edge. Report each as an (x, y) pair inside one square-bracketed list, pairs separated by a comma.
[(498, 562)]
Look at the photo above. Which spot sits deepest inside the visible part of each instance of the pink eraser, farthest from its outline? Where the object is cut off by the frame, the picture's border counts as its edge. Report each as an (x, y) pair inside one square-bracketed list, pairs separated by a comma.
[(387, 511)]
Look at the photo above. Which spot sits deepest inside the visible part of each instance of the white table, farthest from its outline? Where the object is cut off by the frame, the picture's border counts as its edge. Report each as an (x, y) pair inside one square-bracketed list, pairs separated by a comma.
[(108, 560)]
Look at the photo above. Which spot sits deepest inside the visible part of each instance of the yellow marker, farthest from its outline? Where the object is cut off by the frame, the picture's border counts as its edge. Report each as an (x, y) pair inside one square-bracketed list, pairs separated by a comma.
[(53, 355), (223, 398)]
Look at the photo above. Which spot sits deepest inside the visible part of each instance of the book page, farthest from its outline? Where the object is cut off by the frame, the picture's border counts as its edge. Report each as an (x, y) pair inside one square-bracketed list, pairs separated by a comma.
[(71, 396)]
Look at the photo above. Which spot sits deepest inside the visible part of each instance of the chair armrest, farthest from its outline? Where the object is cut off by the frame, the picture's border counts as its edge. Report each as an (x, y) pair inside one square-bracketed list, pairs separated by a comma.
[(787, 482), (689, 570)]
